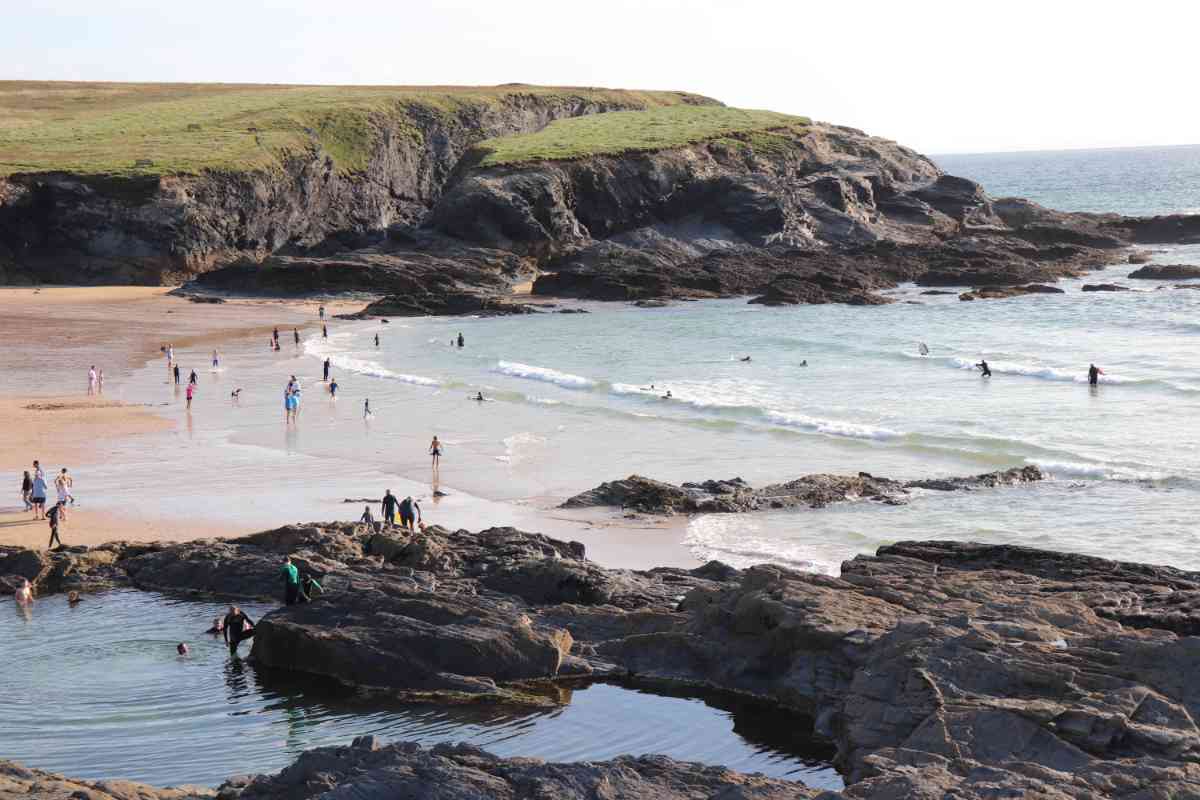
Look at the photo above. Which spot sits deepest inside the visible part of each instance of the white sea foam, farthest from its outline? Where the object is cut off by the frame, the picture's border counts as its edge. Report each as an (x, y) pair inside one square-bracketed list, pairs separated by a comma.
[(339, 359), (852, 430), (516, 446), (545, 374), (1092, 471)]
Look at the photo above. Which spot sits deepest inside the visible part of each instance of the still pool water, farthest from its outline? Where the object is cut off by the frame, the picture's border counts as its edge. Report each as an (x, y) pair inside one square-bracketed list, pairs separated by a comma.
[(97, 691)]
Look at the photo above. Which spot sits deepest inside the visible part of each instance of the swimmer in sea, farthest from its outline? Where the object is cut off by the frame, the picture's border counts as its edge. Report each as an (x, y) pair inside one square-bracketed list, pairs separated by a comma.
[(479, 397), (182, 649), (804, 363), (667, 396), (983, 366), (217, 627), (460, 339), (24, 594), (747, 358), (73, 598), (236, 394)]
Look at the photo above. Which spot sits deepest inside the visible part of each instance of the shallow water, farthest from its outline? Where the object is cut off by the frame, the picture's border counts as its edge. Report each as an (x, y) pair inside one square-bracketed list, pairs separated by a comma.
[(97, 691)]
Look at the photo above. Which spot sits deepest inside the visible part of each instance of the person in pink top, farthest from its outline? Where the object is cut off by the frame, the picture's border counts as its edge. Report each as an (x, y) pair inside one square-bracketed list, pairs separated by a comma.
[(191, 390)]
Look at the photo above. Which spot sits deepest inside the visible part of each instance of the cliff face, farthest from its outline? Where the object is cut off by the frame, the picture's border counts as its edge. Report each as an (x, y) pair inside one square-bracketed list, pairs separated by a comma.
[(66, 228)]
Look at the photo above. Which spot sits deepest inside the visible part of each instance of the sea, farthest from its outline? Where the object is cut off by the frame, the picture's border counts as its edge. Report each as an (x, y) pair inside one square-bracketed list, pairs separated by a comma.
[(572, 400)]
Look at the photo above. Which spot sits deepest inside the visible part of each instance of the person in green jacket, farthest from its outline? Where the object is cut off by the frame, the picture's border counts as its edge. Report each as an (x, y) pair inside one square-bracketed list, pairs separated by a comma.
[(309, 588), (291, 582)]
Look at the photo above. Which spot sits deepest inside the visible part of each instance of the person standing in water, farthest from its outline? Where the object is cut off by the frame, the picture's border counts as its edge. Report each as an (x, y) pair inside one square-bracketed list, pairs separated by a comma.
[(26, 487), (191, 391), (333, 387), (321, 313), (983, 366), (296, 335), (37, 492), (324, 331), (275, 337), (435, 450), (236, 628), (92, 380), (326, 370), (1094, 374), (460, 339), (100, 381), (175, 372), (193, 378), (377, 340), (24, 595), (367, 408), (216, 359)]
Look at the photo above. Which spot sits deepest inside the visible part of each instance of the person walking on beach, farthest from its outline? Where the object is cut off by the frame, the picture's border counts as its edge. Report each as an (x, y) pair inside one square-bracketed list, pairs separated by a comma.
[(26, 486), (983, 366), (291, 582), (236, 628), (175, 373), (92, 380), (410, 513), (327, 368), (55, 516), (62, 486), (191, 391), (1094, 374), (37, 492), (435, 450)]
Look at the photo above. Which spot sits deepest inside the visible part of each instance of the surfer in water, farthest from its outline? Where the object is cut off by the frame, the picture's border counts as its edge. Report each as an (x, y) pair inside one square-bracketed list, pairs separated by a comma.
[(1094, 374), (479, 397), (667, 396), (983, 366), (923, 349), (804, 363), (747, 358)]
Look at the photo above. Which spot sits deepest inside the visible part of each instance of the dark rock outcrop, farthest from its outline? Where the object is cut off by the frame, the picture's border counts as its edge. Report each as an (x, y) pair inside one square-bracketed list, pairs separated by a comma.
[(1167, 272), (649, 496), (1005, 292), (1105, 287)]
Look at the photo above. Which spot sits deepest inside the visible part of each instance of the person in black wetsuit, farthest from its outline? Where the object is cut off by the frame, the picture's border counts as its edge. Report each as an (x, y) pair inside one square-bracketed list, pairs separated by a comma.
[(193, 378), (238, 628), (275, 336), (460, 339), (410, 513), (1094, 374), (324, 332), (327, 365), (987, 373), (388, 507), (377, 340), (52, 516), (296, 335), (175, 370)]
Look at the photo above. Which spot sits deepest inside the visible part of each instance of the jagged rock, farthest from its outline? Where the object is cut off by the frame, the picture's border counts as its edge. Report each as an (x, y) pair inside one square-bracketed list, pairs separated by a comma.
[(649, 496), (1004, 292), (1167, 272), (1105, 287), (20, 783)]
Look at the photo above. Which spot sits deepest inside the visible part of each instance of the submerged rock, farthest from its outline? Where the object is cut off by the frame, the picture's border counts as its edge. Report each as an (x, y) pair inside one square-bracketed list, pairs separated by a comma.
[(1167, 272), (1105, 287), (1005, 292)]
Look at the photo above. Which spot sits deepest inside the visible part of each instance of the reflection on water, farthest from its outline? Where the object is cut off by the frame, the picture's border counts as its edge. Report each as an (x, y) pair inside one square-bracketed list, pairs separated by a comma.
[(98, 691)]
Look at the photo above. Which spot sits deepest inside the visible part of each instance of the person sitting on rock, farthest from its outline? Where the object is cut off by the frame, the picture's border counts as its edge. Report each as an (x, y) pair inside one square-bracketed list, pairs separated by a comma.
[(309, 588)]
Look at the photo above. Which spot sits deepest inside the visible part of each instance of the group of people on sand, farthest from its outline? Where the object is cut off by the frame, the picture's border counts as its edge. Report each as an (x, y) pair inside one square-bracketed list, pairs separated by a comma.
[(34, 492)]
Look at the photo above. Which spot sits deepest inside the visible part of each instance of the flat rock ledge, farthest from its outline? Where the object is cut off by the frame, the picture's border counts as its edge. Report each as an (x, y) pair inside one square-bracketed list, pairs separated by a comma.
[(734, 496), (938, 669)]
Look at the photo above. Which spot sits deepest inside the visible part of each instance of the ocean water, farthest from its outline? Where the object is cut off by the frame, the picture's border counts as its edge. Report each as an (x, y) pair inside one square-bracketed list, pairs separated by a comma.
[(98, 691), (1134, 180)]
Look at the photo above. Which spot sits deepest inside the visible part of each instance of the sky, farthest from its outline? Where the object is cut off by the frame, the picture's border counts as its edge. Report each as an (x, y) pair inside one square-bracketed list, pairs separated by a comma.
[(942, 77)]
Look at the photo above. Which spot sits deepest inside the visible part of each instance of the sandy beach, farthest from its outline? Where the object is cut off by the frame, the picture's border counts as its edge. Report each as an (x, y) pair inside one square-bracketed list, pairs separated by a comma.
[(146, 469)]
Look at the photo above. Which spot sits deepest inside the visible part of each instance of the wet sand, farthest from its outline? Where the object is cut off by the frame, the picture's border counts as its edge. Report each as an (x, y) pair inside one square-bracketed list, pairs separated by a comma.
[(146, 468)]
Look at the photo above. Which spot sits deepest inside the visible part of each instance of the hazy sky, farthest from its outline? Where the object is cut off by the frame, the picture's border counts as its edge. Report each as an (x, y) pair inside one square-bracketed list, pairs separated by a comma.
[(963, 76)]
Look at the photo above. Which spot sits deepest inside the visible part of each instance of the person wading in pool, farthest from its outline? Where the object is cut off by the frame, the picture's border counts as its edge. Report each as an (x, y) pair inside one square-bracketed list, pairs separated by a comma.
[(237, 628), (291, 582)]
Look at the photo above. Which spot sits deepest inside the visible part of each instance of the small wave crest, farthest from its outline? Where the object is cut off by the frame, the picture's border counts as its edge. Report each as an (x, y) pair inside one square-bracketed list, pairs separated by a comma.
[(545, 374), (1098, 472), (852, 430), (1041, 373)]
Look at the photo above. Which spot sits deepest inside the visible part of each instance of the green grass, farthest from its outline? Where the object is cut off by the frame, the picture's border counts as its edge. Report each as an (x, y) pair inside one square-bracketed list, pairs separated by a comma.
[(658, 128), (122, 130)]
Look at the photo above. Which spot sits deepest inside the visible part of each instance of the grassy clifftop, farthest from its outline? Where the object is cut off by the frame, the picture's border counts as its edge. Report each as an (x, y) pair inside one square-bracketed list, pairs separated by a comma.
[(618, 132), (127, 130)]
